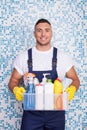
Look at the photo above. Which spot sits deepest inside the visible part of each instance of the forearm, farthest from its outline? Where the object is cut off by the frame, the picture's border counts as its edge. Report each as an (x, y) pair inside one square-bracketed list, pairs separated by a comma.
[(14, 80), (13, 83), (73, 87), (14, 87), (76, 83), (71, 74)]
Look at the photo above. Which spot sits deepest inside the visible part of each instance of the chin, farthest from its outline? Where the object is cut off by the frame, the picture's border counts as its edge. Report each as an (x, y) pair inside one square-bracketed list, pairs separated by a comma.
[(43, 43)]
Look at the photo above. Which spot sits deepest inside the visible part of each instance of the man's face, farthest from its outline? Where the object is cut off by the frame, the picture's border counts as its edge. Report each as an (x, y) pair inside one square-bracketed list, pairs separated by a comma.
[(43, 34)]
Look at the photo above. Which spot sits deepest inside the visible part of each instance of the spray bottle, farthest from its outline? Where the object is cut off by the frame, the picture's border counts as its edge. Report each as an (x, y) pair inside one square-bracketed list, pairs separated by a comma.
[(29, 97)]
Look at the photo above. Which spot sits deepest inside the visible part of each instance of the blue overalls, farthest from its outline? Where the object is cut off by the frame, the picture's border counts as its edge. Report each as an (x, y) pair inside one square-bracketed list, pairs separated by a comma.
[(43, 120)]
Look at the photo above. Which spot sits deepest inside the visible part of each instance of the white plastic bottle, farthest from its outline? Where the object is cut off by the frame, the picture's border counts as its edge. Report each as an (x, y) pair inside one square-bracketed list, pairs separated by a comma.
[(49, 96), (39, 97)]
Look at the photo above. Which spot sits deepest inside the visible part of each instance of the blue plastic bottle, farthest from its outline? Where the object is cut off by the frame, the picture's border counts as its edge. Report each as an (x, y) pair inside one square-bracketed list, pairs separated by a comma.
[(29, 97)]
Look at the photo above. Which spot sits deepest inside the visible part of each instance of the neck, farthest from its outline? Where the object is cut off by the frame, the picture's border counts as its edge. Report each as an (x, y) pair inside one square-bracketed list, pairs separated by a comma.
[(43, 48)]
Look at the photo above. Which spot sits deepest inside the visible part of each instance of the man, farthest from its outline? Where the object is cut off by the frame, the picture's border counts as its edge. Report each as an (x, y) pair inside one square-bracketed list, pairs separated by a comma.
[(43, 58)]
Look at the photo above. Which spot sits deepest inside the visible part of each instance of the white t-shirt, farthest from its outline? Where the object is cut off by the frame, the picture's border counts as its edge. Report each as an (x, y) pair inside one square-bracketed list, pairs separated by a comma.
[(42, 60)]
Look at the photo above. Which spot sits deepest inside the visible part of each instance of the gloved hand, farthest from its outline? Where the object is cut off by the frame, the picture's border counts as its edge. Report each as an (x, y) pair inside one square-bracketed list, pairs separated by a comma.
[(18, 92), (71, 90)]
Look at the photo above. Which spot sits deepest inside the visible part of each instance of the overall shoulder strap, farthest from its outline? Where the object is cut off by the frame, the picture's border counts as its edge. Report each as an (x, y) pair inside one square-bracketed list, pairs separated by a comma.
[(54, 60), (29, 60)]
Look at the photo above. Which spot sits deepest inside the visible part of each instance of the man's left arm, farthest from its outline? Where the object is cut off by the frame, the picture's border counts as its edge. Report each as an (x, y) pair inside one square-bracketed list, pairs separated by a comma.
[(73, 87)]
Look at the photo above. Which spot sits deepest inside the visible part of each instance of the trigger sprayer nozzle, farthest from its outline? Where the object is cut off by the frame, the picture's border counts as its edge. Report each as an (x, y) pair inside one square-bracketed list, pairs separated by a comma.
[(45, 74), (44, 77)]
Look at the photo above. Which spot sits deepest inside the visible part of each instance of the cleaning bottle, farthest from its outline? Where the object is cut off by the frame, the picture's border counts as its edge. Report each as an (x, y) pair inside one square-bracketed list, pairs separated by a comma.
[(49, 95), (29, 97), (58, 87), (39, 96), (58, 90), (25, 77), (44, 79)]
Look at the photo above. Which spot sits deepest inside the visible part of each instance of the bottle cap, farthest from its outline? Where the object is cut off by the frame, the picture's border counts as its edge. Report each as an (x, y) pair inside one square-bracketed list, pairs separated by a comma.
[(29, 74), (58, 79), (49, 80)]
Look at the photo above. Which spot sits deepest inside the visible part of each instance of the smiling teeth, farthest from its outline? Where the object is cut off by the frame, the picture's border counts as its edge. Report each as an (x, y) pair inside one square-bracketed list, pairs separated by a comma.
[(43, 38)]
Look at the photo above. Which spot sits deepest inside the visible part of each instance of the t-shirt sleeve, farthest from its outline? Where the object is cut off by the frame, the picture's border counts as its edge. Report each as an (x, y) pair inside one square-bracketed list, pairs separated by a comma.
[(20, 63), (65, 63), (68, 62)]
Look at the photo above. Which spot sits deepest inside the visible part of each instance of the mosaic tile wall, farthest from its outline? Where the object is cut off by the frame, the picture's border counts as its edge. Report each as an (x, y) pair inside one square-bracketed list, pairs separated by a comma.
[(69, 22)]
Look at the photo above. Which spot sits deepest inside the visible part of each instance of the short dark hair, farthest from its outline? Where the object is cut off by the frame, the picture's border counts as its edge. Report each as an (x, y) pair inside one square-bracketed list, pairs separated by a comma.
[(42, 21)]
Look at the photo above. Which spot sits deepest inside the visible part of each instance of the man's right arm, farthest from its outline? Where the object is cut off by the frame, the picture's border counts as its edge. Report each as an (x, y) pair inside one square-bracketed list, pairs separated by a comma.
[(14, 80), (14, 85)]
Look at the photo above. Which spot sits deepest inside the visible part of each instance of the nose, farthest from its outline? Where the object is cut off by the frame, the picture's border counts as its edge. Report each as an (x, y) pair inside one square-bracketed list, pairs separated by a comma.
[(43, 33)]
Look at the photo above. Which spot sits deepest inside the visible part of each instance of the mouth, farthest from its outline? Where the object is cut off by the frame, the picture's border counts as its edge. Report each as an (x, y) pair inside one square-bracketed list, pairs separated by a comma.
[(43, 38)]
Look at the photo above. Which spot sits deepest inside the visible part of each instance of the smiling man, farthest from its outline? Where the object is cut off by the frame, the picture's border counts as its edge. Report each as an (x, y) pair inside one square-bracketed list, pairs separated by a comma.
[(43, 58), (43, 35)]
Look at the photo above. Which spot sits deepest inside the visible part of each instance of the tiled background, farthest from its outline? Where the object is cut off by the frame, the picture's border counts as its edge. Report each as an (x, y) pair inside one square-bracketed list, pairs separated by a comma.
[(69, 22)]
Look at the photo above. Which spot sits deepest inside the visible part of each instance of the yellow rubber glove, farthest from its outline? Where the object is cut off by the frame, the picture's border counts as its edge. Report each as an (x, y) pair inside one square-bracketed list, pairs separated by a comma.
[(18, 92), (71, 90)]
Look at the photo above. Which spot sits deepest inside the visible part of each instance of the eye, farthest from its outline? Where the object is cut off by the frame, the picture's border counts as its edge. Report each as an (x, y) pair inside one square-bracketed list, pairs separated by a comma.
[(48, 30), (39, 30)]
